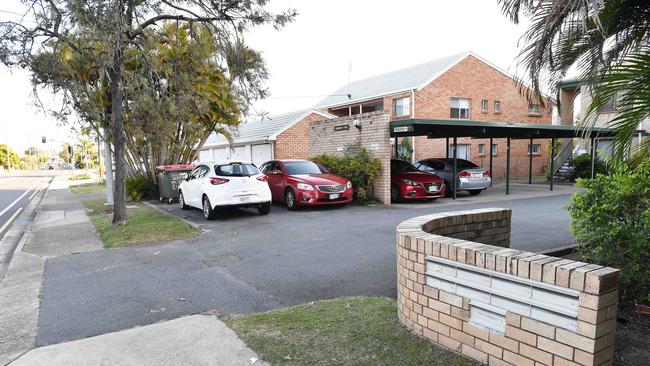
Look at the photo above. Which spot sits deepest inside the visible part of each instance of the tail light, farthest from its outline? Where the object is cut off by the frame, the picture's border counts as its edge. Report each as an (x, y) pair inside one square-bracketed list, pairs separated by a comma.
[(217, 181), (263, 178), (487, 174), (464, 174)]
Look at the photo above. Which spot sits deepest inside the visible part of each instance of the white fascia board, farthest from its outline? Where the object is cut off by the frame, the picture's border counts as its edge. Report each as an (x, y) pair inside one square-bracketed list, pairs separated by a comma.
[(238, 143), (300, 118), (365, 99)]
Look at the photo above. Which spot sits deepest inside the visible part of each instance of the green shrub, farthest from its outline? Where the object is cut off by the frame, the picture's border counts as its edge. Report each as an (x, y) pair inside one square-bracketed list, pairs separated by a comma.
[(137, 188), (356, 165), (582, 166), (612, 217)]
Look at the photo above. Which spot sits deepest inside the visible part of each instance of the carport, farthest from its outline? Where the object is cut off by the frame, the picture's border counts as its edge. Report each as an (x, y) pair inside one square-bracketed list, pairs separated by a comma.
[(448, 129)]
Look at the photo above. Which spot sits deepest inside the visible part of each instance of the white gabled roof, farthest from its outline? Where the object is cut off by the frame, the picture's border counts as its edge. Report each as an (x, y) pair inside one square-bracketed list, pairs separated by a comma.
[(410, 78), (264, 129)]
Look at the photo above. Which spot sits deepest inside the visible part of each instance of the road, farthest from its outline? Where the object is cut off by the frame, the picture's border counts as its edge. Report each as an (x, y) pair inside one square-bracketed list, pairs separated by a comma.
[(248, 263)]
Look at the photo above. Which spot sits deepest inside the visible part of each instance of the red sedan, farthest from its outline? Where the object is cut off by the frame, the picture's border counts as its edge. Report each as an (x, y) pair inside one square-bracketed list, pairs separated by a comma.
[(408, 183), (305, 183)]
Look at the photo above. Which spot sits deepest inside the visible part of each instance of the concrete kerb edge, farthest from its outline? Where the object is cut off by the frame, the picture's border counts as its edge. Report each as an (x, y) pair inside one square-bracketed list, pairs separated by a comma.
[(188, 222), (31, 208)]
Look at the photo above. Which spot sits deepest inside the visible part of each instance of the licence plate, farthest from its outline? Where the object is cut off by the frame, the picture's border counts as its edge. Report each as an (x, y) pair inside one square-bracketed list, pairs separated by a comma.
[(477, 175), (334, 196), (433, 188), (245, 198)]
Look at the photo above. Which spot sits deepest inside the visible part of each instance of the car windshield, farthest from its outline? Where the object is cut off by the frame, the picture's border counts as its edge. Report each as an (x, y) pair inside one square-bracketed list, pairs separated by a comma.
[(304, 168), (236, 170), (462, 164), (402, 166)]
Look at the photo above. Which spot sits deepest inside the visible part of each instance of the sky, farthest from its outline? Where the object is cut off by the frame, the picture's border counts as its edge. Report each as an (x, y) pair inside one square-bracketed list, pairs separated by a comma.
[(329, 43)]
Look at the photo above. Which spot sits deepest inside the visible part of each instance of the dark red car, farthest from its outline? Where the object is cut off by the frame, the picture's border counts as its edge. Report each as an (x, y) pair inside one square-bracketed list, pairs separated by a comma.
[(303, 182), (408, 183)]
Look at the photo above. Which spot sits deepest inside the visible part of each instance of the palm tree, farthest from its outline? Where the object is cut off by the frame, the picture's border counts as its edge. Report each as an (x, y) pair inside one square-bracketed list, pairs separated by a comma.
[(608, 41)]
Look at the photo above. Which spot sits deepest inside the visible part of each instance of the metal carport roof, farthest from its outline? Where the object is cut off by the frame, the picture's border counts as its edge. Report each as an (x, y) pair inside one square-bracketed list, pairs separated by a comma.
[(440, 128)]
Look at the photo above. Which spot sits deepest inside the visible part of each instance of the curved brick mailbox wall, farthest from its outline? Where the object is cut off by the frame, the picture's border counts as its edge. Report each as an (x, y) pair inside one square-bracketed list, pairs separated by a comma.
[(458, 286)]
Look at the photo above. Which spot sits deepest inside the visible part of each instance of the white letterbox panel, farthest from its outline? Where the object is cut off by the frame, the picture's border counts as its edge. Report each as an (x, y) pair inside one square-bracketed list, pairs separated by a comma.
[(492, 294)]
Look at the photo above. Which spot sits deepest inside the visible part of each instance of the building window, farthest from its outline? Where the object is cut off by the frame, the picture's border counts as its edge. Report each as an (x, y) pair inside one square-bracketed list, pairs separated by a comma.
[(484, 105), (459, 108), (497, 106), (481, 149), (495, 149), (610, 106), (402, 107), (533, 109), (536, 149)]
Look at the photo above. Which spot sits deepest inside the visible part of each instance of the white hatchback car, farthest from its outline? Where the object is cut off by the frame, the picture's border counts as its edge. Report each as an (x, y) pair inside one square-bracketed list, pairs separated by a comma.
[(233, 184)]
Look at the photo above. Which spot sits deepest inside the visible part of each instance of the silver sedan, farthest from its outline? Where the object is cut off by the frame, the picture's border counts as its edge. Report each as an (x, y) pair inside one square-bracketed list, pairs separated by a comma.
[(470, 177)]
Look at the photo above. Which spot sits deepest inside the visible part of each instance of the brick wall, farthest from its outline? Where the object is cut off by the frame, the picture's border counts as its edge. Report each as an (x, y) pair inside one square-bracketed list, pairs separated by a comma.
[(374, 135), (476, 80), (293, 143), (448, 319)]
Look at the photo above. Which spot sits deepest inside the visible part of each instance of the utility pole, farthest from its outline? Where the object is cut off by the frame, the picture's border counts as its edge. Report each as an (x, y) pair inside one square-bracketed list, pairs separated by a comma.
[(108, 165)]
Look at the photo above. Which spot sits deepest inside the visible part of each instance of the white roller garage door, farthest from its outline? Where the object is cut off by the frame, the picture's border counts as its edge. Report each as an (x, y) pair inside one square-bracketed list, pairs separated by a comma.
[(205, 155), (240, 153), (221, 154), (261, 153)]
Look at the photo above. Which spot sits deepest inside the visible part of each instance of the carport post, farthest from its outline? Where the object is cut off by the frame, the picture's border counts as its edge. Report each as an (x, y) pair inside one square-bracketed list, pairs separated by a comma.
[(455, 175), (508, 167), (552, 162), (530, 162), (447, 147), (396, 150), (593, 155), (491, 171)]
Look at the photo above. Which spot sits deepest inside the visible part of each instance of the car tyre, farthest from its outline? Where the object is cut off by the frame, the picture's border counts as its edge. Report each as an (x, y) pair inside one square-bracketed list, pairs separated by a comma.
[(264, 209), (208, 212), (475, 192), (290, 199), (181, 202), (394, 194), (449, 190)]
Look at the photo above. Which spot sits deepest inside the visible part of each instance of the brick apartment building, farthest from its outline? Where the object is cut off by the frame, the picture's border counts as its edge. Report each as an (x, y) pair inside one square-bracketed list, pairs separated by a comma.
[(461, 87)]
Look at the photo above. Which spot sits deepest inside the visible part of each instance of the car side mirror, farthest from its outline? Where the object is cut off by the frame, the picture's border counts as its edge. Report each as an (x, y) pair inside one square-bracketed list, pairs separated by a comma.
[(187, 179), (276, 172)]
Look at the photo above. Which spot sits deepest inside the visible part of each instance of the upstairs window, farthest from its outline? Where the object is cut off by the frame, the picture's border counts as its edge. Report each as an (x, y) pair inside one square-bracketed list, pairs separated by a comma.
[(484, 105), (495, 149), (481, 149), (610, 106), (402, 107), (459, 108), (533, 109), (497, 106)]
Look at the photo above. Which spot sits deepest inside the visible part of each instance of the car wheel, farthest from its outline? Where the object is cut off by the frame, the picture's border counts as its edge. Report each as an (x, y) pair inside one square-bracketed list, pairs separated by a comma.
[(394, 194), (290, 199), (181, 201), (208, 212), (264, 209), (475, 192)]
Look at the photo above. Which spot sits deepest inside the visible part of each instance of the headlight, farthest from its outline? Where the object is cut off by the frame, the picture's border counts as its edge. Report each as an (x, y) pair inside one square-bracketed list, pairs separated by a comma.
[(409, 182), (305, 187), (348, 185)]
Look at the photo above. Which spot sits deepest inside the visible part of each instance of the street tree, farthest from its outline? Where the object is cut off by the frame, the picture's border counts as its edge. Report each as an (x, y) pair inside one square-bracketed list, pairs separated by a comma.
[(606, 41), (118, 27)]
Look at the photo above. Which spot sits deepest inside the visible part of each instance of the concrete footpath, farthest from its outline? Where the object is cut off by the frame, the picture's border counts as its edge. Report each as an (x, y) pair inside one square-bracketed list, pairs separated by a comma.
[(61, 227)]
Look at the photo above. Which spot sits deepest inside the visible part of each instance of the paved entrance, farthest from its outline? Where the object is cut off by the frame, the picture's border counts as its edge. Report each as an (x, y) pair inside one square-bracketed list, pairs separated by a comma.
[(248, 263)]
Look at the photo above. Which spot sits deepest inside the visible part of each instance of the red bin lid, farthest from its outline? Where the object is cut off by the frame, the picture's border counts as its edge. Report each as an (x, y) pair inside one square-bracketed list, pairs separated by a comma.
[(175, 167)]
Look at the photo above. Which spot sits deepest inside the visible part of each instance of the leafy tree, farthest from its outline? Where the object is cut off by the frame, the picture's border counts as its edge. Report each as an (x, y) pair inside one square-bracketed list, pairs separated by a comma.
[(107, 32), (13, 160), (607, 41)]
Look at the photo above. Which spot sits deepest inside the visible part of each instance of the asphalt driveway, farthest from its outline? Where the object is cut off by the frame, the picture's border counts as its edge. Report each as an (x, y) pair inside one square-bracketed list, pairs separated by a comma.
[(248, 263)]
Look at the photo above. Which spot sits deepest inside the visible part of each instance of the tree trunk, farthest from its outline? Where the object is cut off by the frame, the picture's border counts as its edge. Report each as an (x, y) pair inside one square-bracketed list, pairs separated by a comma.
[(117, 130)]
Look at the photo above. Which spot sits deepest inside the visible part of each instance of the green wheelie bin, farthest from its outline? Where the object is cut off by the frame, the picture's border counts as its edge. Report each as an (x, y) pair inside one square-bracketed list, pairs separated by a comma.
[(169, 178)]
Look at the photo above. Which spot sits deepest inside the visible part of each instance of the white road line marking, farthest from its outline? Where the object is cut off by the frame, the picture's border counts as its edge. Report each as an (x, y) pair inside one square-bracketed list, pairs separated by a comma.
[(16, 201), (11, 219), (35, 192)]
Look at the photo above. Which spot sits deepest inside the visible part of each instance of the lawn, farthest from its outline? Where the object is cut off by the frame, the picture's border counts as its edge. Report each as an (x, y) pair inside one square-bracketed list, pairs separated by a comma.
[(88, 188), (146, 225), (345, 331)]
